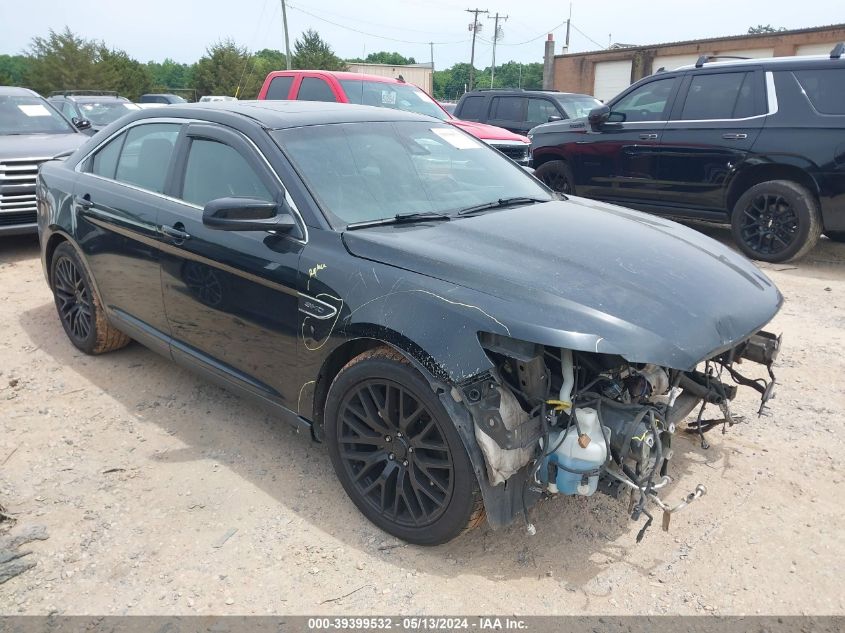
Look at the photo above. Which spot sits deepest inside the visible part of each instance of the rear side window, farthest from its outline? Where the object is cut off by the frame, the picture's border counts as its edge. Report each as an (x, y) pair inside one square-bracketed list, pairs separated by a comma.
[(314, 89), (719, 96), (825, 88), (105, 160), (145, 157), (215, 170), (507, 108), (279, 88), (471, 109)]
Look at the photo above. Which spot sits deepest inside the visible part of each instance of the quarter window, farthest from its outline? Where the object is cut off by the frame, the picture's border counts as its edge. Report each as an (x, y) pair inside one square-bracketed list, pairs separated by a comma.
[(314, 89), (471, 110), (215, 170), (648, 102), (105, 160), (719, 96), (145, 157), (279, 88), (825, 88)]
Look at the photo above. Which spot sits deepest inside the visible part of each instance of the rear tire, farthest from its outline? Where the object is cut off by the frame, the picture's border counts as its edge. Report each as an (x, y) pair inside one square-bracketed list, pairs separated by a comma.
[(397, 453), (557, 176), (776, 221), (79, 308)]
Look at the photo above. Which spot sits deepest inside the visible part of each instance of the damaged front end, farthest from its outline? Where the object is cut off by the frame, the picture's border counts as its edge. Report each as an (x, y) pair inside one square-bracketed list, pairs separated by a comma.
[(559, 421)]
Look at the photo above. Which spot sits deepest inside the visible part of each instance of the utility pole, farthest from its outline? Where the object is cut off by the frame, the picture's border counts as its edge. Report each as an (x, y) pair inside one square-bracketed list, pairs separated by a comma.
[(496, 35), (431, 87), (287, 39), (474, 27)]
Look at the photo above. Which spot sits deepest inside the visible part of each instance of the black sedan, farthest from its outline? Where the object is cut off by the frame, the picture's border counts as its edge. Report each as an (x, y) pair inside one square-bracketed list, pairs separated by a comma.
[(461, 338)]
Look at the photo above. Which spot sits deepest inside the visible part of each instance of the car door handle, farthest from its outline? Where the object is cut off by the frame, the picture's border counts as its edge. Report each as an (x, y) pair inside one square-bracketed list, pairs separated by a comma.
[(83, 202), (648, 137), (734, 137), (175, 233)]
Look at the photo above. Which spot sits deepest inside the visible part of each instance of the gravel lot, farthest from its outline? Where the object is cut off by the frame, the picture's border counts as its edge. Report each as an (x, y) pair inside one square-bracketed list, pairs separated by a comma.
[(163, 494)]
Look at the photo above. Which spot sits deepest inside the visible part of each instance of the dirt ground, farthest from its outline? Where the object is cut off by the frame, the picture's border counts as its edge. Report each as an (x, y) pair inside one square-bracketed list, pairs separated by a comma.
[(163, 494)]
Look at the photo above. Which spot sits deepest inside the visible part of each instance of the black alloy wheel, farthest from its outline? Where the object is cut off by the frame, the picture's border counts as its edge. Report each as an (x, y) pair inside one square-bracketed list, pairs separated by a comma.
[(776, 221), (73, 300), (78, 306), (556, 175), (769, 225), (395, 453)]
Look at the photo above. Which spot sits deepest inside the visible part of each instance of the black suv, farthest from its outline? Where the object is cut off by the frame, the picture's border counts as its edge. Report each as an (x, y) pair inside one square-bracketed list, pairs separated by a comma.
[(520, 110), (97, 107), (757, 143)]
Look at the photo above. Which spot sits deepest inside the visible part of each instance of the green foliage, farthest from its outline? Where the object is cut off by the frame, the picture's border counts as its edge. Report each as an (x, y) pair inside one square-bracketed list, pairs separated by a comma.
[(12, 69), (129, 77), (168, 75), (383, 57), (263, 62), (312, 53), (222, 68), (451, 83), (63, 61)]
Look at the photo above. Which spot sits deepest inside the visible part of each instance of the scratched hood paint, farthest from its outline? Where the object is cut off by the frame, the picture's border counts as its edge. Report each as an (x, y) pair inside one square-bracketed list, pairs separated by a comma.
[(588, 275)]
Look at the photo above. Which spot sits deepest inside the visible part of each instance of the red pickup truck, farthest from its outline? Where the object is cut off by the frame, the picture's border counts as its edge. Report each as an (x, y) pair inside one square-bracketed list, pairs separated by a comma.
[(384, 92)]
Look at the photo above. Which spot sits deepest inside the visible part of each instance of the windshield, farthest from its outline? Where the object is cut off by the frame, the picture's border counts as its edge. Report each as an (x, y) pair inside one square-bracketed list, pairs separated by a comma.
[(105, 112), (389, 95), (362, 172), (23, 114), (579, 107)]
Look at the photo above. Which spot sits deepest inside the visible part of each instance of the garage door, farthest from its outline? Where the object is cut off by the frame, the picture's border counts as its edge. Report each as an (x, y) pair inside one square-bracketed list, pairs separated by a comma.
[(671, 62), (611, 78), (815, 49)]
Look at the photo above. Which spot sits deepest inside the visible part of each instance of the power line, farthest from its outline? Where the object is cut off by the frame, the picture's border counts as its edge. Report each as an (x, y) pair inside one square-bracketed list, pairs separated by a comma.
[(588, 37), (381, 37)]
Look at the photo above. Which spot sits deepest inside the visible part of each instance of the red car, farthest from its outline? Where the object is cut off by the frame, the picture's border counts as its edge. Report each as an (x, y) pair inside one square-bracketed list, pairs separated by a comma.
[(384, 92)]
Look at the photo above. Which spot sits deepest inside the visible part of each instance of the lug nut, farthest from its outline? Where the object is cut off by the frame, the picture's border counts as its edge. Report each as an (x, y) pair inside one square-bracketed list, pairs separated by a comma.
[(398, 435), (387, 438), (410, 449), (391, 457), (404, 462)]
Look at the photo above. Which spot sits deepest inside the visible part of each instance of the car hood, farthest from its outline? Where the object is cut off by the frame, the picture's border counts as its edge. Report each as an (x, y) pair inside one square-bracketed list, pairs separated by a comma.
[(488, 132), (15, 146), (589, 276)]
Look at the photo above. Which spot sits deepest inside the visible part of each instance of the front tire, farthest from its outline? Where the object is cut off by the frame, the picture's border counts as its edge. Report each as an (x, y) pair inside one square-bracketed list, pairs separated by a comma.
[(79, 308), (397, 453), (776, 221), (556, 175)]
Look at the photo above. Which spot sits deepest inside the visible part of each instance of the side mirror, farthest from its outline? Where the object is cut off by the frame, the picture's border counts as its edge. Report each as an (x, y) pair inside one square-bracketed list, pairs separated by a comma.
[(247, 214), (555, 117), (81, 124), (598, 117)]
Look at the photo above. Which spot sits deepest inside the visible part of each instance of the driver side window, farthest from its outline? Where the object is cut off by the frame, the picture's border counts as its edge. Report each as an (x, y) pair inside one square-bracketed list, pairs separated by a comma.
[(215, 170), (649, 102)]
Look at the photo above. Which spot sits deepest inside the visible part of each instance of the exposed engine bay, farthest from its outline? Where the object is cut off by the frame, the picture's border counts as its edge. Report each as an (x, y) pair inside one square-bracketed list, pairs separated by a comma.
[(581, 422)]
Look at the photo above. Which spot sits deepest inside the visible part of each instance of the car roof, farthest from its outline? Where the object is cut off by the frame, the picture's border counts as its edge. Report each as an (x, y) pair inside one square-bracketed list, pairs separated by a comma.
[(340, 74), (286, 114), (14, 91), (526, 91), (815, 61)]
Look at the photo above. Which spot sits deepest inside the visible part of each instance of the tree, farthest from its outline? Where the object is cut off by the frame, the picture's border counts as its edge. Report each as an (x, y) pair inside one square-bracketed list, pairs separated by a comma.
[(383, 57), (222, 69), (170, 74), (62, 60), (312, 53), (764, 28), (263, 62), (129, 77), (13, 69)]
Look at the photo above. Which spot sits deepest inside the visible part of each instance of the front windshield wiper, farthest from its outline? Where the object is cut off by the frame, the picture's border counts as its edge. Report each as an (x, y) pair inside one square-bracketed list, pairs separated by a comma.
[(500, 203), (399, 218)]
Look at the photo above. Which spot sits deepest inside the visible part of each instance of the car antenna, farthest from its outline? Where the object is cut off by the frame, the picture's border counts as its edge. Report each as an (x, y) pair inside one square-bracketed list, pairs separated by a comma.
[(401, 79), (837, 51)]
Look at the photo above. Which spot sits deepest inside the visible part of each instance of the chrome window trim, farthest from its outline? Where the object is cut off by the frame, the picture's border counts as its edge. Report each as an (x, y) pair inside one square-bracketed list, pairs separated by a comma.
[(180, 121)]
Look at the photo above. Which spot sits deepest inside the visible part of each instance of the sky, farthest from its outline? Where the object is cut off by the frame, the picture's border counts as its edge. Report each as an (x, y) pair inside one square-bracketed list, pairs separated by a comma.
[(182, 29)]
